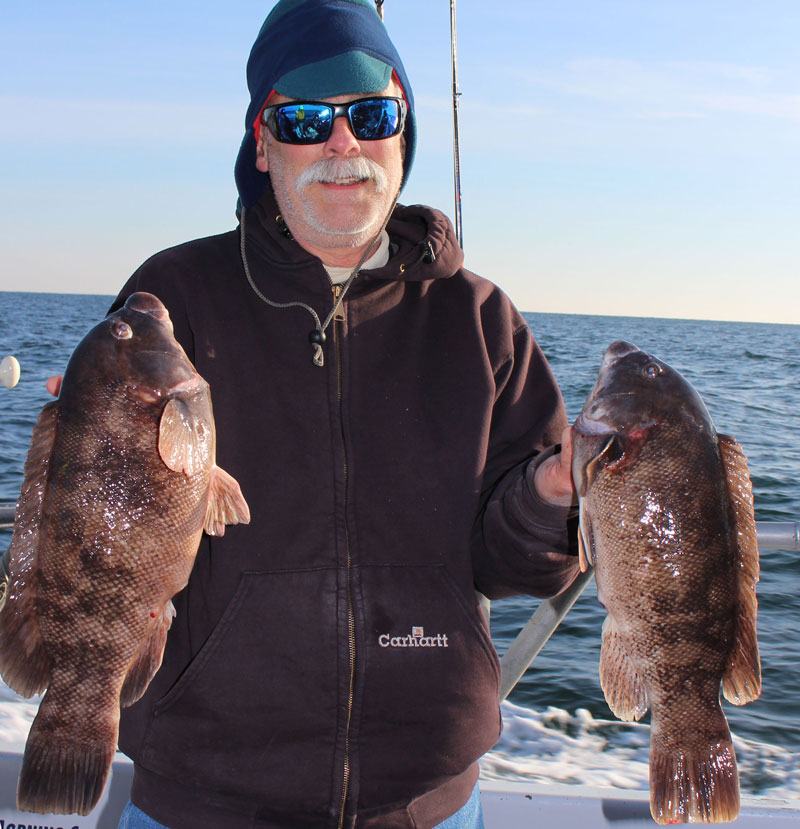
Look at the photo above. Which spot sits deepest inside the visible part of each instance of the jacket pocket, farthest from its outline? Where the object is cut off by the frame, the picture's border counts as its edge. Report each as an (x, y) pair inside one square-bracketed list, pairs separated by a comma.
[(431, 687), (254, 715)]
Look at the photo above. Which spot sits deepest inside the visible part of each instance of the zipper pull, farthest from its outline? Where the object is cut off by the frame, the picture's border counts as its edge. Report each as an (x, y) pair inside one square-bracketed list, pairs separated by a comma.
[(337, 293)]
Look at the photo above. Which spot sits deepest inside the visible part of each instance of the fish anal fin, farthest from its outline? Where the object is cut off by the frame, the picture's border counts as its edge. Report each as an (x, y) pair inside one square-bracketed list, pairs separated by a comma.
[(623, 687), (185, 442), (226, 504), (741, 682), (24, 664), (148, 659), (693, 787)]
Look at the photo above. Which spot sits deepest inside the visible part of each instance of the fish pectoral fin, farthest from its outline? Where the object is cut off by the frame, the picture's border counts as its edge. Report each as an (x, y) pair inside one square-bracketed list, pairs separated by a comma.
[(24, 664), (148, 659), (226, 504), (742, 680), (185, 442), (623, 687), (585, 539)]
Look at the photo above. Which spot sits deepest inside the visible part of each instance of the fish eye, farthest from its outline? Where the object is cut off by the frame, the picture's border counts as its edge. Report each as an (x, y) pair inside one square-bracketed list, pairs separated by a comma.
[(652, 370), (122, 331)]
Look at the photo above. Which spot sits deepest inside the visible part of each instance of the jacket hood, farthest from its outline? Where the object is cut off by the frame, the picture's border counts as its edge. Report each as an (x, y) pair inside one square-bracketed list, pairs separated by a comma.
[(312, 49)]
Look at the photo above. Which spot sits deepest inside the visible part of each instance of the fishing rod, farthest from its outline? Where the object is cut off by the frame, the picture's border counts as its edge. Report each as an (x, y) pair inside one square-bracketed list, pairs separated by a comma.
[(456, 96), (456, 150)]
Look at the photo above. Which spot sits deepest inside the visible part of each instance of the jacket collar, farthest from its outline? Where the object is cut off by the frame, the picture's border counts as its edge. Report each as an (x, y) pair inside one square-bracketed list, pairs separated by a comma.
[(423, 245)]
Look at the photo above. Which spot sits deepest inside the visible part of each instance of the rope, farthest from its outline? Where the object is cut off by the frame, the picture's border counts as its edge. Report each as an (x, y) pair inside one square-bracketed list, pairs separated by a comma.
[(318, 334)]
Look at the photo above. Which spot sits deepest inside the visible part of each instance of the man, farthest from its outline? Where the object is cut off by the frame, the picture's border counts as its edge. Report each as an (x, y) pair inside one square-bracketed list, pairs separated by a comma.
[(387, 414)]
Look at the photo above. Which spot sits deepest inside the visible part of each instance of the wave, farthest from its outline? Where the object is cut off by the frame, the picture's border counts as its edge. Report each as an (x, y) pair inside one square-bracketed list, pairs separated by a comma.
[(555, 746)]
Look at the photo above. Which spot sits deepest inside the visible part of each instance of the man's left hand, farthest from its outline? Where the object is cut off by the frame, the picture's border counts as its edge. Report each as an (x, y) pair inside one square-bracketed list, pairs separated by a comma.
[(553, 479)]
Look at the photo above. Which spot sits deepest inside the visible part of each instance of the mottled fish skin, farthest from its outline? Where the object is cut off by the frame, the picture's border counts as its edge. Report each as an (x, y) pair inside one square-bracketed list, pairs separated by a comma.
[(667, 521), (105, 534)]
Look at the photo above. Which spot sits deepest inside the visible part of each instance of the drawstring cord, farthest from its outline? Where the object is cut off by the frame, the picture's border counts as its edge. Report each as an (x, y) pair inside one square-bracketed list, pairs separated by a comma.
[(317, 335), (428, 256)]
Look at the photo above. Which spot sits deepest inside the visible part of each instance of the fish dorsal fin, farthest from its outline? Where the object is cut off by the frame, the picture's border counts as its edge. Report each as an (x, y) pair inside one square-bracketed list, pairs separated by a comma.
[(185, 442), (23, 661), (226, 504), (742, 680)]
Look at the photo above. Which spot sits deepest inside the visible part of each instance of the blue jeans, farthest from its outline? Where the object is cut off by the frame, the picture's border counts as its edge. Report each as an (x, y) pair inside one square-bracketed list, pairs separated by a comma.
[(469, 816)]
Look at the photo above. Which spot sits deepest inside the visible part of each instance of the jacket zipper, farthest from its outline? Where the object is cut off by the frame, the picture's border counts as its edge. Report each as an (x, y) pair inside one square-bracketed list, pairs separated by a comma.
[(338, 321)]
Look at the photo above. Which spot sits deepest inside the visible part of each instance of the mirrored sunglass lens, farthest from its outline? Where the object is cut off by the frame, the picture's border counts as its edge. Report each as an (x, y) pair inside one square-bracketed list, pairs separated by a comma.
[(304, 123), (372, 120)]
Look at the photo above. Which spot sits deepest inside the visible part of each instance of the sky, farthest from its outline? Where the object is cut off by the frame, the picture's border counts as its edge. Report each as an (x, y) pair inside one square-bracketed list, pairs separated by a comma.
[(618, 157)]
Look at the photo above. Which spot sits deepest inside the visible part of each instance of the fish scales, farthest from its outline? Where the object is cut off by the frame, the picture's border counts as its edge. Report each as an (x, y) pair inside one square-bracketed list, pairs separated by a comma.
[(675, 564), (120, 482)]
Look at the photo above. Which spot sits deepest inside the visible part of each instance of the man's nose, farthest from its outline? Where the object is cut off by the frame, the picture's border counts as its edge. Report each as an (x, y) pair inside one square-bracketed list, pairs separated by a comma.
[(341, 140)]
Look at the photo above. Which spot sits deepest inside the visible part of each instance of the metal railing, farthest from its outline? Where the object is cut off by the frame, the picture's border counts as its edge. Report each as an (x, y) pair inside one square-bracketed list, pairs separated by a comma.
[(7, 515)]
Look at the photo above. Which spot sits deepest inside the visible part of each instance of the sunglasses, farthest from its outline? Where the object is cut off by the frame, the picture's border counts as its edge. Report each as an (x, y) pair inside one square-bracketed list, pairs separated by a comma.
[(311, 122)]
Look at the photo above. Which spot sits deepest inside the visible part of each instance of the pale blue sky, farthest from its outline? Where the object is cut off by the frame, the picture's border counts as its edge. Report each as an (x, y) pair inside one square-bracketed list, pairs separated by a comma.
[(618, 157)]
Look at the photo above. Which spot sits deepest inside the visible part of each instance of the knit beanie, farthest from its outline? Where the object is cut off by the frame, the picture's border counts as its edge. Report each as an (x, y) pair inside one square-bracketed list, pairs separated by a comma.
[(312, 49)]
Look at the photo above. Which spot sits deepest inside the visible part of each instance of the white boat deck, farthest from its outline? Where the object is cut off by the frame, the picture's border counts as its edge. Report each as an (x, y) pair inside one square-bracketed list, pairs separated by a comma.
[(506, 805)]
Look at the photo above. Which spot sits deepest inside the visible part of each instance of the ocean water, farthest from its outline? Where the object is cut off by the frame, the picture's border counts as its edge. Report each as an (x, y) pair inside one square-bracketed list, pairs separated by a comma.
[(558, 727)]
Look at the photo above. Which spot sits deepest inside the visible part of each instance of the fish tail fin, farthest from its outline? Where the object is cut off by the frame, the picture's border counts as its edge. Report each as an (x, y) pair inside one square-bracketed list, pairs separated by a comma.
[(226, 504), (63, 774), (694, 786)]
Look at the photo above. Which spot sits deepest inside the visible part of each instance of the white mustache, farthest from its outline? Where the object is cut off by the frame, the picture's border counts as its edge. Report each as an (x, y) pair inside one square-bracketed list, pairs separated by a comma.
[(328, 170)]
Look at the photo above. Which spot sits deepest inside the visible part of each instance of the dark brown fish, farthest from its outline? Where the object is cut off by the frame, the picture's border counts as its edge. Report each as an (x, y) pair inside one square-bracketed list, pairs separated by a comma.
[(120, 482), (667, 520)]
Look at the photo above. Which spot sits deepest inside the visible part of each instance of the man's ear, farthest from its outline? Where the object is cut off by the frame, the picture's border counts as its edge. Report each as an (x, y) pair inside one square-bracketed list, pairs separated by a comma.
[(262, 163)]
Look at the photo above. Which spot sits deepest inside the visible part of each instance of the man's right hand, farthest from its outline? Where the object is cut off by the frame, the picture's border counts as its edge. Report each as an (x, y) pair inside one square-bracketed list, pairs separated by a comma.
[(54, 384)]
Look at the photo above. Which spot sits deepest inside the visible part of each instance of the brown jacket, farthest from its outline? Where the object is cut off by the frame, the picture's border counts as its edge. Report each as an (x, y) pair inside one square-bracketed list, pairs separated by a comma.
[(329, 662)]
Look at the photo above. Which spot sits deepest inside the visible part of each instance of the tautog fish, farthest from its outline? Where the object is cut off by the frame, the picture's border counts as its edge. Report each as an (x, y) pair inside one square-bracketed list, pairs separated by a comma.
[(119, 484), (666, 518)]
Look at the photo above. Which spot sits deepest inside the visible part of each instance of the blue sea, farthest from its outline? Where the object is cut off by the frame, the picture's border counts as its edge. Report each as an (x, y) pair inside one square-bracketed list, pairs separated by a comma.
[(558, 727)]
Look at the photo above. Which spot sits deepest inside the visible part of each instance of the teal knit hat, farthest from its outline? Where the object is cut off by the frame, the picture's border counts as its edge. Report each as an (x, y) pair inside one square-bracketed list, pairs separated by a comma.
[(312, 49)]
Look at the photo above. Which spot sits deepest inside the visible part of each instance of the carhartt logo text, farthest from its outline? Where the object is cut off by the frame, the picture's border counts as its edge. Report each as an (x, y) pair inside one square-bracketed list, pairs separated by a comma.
[(417, 639)]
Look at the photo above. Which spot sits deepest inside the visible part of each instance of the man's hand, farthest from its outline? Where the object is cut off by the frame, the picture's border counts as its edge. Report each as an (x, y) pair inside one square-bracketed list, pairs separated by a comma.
[(54, 384), (553, 479)]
